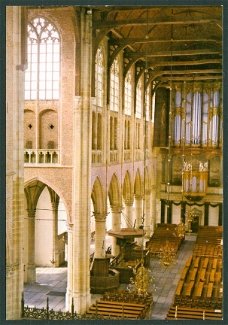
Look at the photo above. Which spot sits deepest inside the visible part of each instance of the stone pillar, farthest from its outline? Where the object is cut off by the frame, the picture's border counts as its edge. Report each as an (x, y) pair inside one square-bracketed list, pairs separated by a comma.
[(138, 210), (31, 271), (70, 273), (153, 210), (55, 204), (147, 221), (81, 176), (14, 161), (116, 225), (129, 213), (100, 233), (139, 217)]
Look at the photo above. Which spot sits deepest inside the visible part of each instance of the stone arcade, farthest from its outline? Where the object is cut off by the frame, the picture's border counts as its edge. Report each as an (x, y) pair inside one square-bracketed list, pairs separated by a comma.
[(105, 107)]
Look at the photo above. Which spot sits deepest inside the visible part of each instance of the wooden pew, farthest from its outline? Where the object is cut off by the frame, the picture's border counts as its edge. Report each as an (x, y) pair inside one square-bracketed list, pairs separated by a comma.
[(199, 289), (177, 312), (209, 289), (118, 309), (179, 287)]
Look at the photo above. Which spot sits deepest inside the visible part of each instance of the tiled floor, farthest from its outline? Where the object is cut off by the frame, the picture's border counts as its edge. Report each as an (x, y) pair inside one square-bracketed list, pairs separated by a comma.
[(51, 283)]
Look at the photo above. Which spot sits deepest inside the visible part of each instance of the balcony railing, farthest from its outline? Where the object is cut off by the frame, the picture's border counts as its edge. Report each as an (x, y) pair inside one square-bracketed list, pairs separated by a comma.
[(41, 156)]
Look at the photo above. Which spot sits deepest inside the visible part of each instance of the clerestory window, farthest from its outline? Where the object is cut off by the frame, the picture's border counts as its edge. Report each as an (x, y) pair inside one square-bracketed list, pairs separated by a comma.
[(99, 77), (42, 77), (114, 86)]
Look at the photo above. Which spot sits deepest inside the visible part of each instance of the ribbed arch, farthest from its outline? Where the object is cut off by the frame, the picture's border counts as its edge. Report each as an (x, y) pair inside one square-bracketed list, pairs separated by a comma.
[(33, 189)]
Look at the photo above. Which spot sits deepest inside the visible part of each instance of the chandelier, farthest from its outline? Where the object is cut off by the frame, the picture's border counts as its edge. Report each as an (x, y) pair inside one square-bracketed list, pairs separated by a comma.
[(143, 282), (180, 230), (194, 179), (167, 254)]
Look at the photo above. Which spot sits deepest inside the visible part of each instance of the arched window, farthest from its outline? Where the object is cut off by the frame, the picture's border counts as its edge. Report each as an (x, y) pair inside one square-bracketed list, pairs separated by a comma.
[(128, 93), (139, 98), (147, 104), (114, 86), (43, 73), (99, 77)]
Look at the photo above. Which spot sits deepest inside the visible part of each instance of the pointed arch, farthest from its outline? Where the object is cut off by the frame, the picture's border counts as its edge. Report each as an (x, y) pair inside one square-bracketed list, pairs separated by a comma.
[(127, 187), (33, 189), (138, 186), (114, 192), (98, 197)]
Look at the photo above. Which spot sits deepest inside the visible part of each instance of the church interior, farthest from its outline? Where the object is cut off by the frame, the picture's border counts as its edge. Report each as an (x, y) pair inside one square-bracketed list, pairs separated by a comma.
[(114, 162)]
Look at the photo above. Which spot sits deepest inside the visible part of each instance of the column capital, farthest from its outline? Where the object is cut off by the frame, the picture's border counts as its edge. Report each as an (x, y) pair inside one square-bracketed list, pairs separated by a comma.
[(129, 201), (31, 213), (116, 208), (138, 196), (100, 216)]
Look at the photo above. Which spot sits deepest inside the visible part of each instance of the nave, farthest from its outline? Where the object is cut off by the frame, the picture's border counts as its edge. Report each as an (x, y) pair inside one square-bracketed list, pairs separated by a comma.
[(52, 283)]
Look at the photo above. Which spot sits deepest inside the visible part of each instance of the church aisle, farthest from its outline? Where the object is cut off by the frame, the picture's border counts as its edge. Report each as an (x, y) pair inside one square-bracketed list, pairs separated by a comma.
[(52, 282), (166, 279)]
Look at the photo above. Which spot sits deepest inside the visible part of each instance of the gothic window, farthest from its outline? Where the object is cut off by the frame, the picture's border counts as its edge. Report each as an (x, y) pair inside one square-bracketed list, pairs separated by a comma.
[(139, 98), (128, 93), (42, 76), (147, 104), (99, 77), (114, 86)]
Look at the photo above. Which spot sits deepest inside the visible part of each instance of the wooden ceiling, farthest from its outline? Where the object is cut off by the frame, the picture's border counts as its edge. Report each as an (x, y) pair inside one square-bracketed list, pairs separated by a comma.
[(170, 42)]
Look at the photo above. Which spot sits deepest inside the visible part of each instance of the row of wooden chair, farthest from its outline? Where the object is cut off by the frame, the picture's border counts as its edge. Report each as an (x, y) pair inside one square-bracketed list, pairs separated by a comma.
[(200, 283), (121, 304), (162, 234)]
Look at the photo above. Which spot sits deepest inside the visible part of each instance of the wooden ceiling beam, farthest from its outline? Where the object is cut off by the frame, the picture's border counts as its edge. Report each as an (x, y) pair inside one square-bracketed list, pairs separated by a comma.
[(184, 63), (184, 78), (187, 72), (130, 41), (173, 53), (154, 21)]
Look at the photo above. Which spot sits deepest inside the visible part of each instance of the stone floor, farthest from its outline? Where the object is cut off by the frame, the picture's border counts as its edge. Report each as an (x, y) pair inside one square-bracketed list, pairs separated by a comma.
[(51, 283)]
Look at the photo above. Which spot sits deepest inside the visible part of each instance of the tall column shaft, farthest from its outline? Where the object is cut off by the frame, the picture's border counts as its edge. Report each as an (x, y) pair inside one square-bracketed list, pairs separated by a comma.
[(100, 233), (138, 211), (116, 225), (153, 211), (70, 273), (31, 272), (14, 162), (147, 221), (81, 183), (129, 213), (55, 232)]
